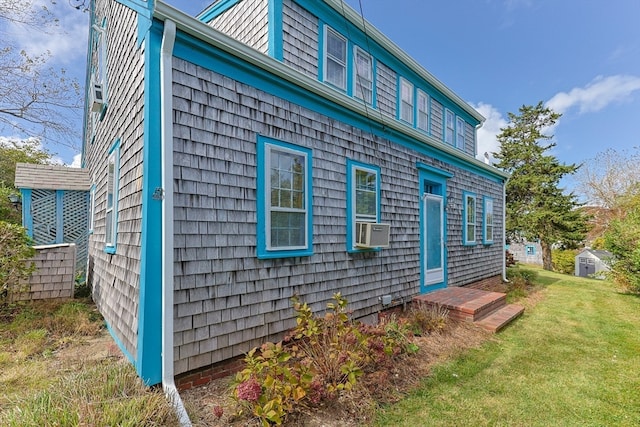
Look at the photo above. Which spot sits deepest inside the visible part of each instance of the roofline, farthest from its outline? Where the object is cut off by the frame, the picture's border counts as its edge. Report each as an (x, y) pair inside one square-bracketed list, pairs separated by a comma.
[(204, 32)]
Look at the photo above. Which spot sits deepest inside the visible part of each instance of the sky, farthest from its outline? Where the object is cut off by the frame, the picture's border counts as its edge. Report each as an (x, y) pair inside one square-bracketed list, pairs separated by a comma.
[(579, 57)]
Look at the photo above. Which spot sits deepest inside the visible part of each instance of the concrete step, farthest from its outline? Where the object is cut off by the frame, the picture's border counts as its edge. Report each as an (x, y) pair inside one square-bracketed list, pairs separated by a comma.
[(500, 318)]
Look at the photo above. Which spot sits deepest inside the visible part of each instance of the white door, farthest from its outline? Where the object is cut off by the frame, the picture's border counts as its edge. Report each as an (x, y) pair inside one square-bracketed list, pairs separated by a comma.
[(433, 239)]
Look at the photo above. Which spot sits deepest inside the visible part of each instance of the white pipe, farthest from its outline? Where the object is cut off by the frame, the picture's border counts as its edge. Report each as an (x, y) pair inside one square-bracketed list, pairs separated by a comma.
[(166, 143)]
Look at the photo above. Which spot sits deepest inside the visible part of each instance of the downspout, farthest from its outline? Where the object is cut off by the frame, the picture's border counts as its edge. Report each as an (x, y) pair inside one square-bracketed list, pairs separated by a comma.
[(166, 143), (504, 231)]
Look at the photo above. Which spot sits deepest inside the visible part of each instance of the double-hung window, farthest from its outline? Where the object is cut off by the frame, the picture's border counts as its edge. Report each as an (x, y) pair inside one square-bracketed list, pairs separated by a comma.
[(487, 214), (284, 199), (363, 197), (363, 75), (406, 101), (335, 59), (449, 130), (460, 127), (111, 214), (423, 111), (469, 218)]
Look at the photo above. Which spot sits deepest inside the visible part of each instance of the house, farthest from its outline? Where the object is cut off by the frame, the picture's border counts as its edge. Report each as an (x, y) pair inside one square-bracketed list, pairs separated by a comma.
[(266, 149), (593, 263), (526, 252)]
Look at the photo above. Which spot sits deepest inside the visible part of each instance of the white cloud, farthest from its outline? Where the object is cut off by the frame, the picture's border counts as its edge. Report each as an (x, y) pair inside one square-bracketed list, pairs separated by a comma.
[(77, 161), (596, 95), (66, 42), (487, 142)]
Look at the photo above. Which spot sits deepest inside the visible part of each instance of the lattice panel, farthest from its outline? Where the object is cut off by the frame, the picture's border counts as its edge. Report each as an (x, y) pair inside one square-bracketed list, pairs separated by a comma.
[(75, 218), (43, 211)]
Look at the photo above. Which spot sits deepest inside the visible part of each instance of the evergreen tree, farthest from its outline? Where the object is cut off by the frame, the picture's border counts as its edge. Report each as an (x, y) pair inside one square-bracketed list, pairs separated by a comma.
[(537, 208)]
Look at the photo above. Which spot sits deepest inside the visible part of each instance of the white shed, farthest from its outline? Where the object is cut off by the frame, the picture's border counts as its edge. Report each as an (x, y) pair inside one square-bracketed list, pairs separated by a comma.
[(592, 263)]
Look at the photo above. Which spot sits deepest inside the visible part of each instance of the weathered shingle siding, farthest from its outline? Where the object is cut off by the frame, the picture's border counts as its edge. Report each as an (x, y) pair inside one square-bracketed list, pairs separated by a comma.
[(386, 89), (226, 300), (247, 22), (300, 39), (436, 120), (470, 140), (115, 278)]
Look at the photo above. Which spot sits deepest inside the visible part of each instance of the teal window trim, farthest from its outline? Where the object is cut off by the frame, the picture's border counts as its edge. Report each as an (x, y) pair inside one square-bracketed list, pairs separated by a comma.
[(530, 250), (266, 249), (352, 168), (469, 218), (113, 184), (488, 220), (406, 101), (460, 131)]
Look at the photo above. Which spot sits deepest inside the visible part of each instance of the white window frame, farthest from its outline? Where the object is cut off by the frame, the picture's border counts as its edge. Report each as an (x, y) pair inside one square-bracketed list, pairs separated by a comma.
[(423, 111), (488, 221), (111, 205), (92, 207), (363, 78), (469, 226), (460, 133), (340, 83), (406, 100), (449, 126)]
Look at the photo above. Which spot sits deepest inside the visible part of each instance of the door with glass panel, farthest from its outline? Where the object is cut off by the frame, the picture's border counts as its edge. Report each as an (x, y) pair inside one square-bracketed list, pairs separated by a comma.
[(432, 239)]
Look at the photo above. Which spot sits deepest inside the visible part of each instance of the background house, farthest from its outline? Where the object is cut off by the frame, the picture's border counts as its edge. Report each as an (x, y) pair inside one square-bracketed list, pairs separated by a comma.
[(233, 171), (527, 252), (593, 263)]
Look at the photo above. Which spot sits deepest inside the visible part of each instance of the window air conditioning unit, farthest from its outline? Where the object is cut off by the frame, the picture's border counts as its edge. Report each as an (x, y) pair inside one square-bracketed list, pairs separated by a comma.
[(372, 235), (97, 96)]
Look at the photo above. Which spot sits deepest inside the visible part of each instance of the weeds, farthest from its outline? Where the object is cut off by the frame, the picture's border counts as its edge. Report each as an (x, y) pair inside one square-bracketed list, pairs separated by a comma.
[(427, 318)]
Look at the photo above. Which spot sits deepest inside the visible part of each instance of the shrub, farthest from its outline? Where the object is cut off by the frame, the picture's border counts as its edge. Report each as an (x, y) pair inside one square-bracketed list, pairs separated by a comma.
[(564, 260), (15, 251), (321, 358), (622, 239), (426, 318), (527, 276)]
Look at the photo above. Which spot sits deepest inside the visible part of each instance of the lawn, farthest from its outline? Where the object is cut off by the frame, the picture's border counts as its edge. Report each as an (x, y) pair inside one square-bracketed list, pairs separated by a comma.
[(572, 360)]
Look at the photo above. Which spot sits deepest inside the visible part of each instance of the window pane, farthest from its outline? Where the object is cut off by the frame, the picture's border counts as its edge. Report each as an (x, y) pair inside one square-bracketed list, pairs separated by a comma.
[(336, 60), (336, 47), (287, 229), (366, 193)]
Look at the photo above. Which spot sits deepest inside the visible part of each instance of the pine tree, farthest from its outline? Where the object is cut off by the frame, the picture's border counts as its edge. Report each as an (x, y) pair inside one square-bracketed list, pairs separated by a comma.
[(537, 208)]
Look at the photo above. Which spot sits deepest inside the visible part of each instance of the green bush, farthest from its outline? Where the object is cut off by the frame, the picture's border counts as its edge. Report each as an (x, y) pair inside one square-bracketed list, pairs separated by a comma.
[(564, 261), (15, 253), (527, 276), (622, 239), (323, 357)]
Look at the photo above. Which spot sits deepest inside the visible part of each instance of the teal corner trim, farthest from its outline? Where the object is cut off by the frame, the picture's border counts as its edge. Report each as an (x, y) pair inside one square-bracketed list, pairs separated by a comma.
[(276, 49), (145, 13), (119, 343), (352, 165), (27, 217), (466, 195), (429, 175), (216, 9), (149, 348), (261, 186)]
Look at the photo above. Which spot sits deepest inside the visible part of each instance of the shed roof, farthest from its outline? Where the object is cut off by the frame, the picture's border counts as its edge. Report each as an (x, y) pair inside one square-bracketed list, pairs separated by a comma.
[(598, 253), (51, 177)]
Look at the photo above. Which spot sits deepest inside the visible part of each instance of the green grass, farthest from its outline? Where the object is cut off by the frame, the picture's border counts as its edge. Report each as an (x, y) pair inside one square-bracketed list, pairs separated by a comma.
[(572, 360)]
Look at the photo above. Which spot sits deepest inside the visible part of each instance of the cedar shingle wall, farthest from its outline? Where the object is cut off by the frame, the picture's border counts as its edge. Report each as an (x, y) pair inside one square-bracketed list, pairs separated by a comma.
[(115, 278), (226, 300), (300, 39), (246, 22)]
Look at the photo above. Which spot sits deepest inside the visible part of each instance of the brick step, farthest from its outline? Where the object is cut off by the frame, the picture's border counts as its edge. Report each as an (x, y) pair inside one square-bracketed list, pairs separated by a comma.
[(465, 303), (500, 318)]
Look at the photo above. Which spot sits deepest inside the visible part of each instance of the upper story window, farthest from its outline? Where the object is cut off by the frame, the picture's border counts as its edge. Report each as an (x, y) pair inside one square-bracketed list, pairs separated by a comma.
[(335, 59), (111, 214), (363, 75), (460, 127), (449, 129), (363, 197), (469, 218), (487, 214), (423, 111), (284, 199), (406, 101)]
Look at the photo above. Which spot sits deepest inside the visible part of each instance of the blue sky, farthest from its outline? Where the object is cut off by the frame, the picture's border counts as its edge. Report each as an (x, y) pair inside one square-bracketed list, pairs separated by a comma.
[(580, 57)]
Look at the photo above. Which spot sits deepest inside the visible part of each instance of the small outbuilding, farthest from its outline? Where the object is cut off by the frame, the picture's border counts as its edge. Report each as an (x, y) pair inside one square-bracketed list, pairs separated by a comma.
[(593, 263)]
